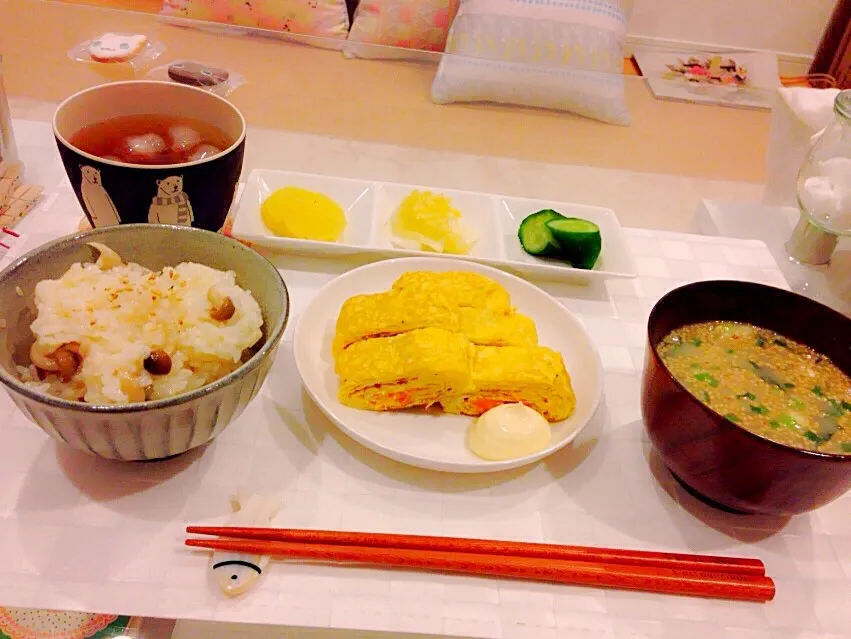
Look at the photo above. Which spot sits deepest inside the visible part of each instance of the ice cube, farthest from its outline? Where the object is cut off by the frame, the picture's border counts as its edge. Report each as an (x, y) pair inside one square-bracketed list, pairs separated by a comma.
[(183, 138), (144, 146), (203, 152)]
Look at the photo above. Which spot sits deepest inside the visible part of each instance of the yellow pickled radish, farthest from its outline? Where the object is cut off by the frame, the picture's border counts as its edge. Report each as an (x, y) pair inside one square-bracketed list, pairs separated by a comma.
[(426, 221), (302, 214)]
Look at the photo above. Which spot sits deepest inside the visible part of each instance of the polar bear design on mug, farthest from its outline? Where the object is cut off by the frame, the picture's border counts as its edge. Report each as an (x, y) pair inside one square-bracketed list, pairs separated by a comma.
[(99, 205), (171, 205)]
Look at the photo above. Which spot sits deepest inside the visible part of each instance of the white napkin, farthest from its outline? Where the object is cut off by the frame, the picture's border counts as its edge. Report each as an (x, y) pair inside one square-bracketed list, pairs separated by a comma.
[(799, 115)]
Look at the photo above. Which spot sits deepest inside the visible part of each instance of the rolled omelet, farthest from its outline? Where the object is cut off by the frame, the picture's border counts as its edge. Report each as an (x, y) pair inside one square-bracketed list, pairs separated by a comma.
[(391, 313), (416, 368), (461, 288), (506, 374), (486, 328), (413, 307)]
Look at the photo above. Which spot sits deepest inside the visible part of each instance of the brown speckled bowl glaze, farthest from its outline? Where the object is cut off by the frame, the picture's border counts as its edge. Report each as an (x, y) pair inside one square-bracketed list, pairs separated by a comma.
[(712, 456), (147, 430)]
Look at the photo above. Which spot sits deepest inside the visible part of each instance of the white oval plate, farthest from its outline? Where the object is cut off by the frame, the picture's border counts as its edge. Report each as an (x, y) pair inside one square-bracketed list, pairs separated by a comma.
[(437, 442)]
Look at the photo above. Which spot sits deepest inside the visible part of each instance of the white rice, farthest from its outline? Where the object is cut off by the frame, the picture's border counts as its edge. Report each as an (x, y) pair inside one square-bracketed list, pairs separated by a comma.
[(119, 315)]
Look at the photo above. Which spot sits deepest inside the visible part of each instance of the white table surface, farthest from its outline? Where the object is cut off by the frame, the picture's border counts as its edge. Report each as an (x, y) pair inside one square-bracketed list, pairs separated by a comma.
[(81, 533), (829, 284)]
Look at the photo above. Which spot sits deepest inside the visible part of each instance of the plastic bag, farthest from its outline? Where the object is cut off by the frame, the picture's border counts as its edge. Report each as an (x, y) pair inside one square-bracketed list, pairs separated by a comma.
[(118, 50), (198, 74)]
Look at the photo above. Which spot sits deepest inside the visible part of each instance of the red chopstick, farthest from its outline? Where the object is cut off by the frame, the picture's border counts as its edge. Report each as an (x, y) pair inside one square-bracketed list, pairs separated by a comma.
[(10, 232), (648, 559), (627, 577)]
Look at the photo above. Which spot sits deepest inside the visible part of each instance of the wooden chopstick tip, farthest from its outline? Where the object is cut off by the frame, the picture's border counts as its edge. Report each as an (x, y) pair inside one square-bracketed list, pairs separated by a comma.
[(198, 543)]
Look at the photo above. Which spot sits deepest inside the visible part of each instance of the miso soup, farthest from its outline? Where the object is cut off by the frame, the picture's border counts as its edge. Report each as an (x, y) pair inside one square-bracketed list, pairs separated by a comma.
[(764, 382)]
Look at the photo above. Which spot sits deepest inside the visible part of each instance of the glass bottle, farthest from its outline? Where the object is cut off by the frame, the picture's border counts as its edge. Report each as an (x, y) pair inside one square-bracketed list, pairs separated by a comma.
[(824, 190)]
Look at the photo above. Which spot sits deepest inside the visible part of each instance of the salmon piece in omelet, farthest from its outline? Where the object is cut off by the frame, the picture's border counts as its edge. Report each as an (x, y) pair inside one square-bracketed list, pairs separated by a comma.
[(461, 288), (416, 368), (508, 375)]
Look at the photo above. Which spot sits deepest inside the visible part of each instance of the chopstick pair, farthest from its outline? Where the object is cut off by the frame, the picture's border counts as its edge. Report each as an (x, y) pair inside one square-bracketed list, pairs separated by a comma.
[(660, 572)]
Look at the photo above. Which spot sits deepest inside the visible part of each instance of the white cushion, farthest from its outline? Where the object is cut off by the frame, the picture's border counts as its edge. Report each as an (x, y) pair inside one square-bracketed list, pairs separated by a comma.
[(558, 54)]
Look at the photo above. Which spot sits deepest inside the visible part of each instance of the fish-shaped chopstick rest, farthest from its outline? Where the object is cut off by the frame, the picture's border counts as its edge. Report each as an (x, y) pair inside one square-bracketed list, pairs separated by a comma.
[(237, 572)]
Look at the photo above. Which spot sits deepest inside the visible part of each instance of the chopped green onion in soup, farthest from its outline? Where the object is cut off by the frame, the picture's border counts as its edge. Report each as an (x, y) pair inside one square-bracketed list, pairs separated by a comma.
[(764, 382)]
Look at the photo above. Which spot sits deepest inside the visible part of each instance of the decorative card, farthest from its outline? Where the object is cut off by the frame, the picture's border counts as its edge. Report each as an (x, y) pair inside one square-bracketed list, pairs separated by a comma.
[(737, 79)]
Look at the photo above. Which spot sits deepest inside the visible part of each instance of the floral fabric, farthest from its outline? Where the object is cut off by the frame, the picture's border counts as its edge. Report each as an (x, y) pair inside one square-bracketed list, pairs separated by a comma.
[(412, 24), (325, 18)]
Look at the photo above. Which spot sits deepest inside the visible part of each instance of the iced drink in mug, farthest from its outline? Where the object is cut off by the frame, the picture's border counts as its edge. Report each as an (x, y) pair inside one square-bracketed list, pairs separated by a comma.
[(137, 152)]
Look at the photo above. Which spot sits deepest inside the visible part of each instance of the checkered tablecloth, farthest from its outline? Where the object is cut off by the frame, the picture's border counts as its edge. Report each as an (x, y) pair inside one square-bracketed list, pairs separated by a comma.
[(81, 533)]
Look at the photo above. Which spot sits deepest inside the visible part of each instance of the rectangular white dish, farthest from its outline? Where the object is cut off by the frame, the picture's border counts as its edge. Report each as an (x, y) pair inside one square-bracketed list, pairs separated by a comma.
[(369, 205)]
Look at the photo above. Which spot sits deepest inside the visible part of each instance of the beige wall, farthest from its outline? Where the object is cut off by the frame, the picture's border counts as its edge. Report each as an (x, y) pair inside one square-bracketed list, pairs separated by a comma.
[(787, 26), (310, 90)]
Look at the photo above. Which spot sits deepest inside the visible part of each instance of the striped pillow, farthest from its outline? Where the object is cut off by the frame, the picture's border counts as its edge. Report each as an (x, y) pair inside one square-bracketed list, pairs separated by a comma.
[(557, 54)]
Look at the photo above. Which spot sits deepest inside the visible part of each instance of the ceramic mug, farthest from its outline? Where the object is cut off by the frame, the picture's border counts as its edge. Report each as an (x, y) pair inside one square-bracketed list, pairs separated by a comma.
[(197, 193)]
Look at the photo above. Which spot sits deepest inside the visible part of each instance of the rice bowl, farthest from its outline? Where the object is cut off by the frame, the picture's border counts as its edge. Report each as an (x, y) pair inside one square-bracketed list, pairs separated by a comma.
[(159, 427)]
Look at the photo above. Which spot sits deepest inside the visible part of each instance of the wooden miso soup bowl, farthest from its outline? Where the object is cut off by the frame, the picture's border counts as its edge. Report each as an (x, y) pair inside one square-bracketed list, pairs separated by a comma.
[(710, 455)]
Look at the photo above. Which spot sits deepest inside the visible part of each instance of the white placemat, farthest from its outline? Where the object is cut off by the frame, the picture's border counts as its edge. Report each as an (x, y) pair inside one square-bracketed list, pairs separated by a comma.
[(81, 533)]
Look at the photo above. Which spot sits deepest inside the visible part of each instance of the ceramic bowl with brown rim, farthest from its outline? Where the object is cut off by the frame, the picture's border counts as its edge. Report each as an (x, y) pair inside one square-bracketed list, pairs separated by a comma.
[(143, 430)]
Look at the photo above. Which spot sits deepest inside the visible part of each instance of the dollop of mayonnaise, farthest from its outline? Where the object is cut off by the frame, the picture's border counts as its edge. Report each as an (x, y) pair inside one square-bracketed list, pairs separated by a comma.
[(508, 431)]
